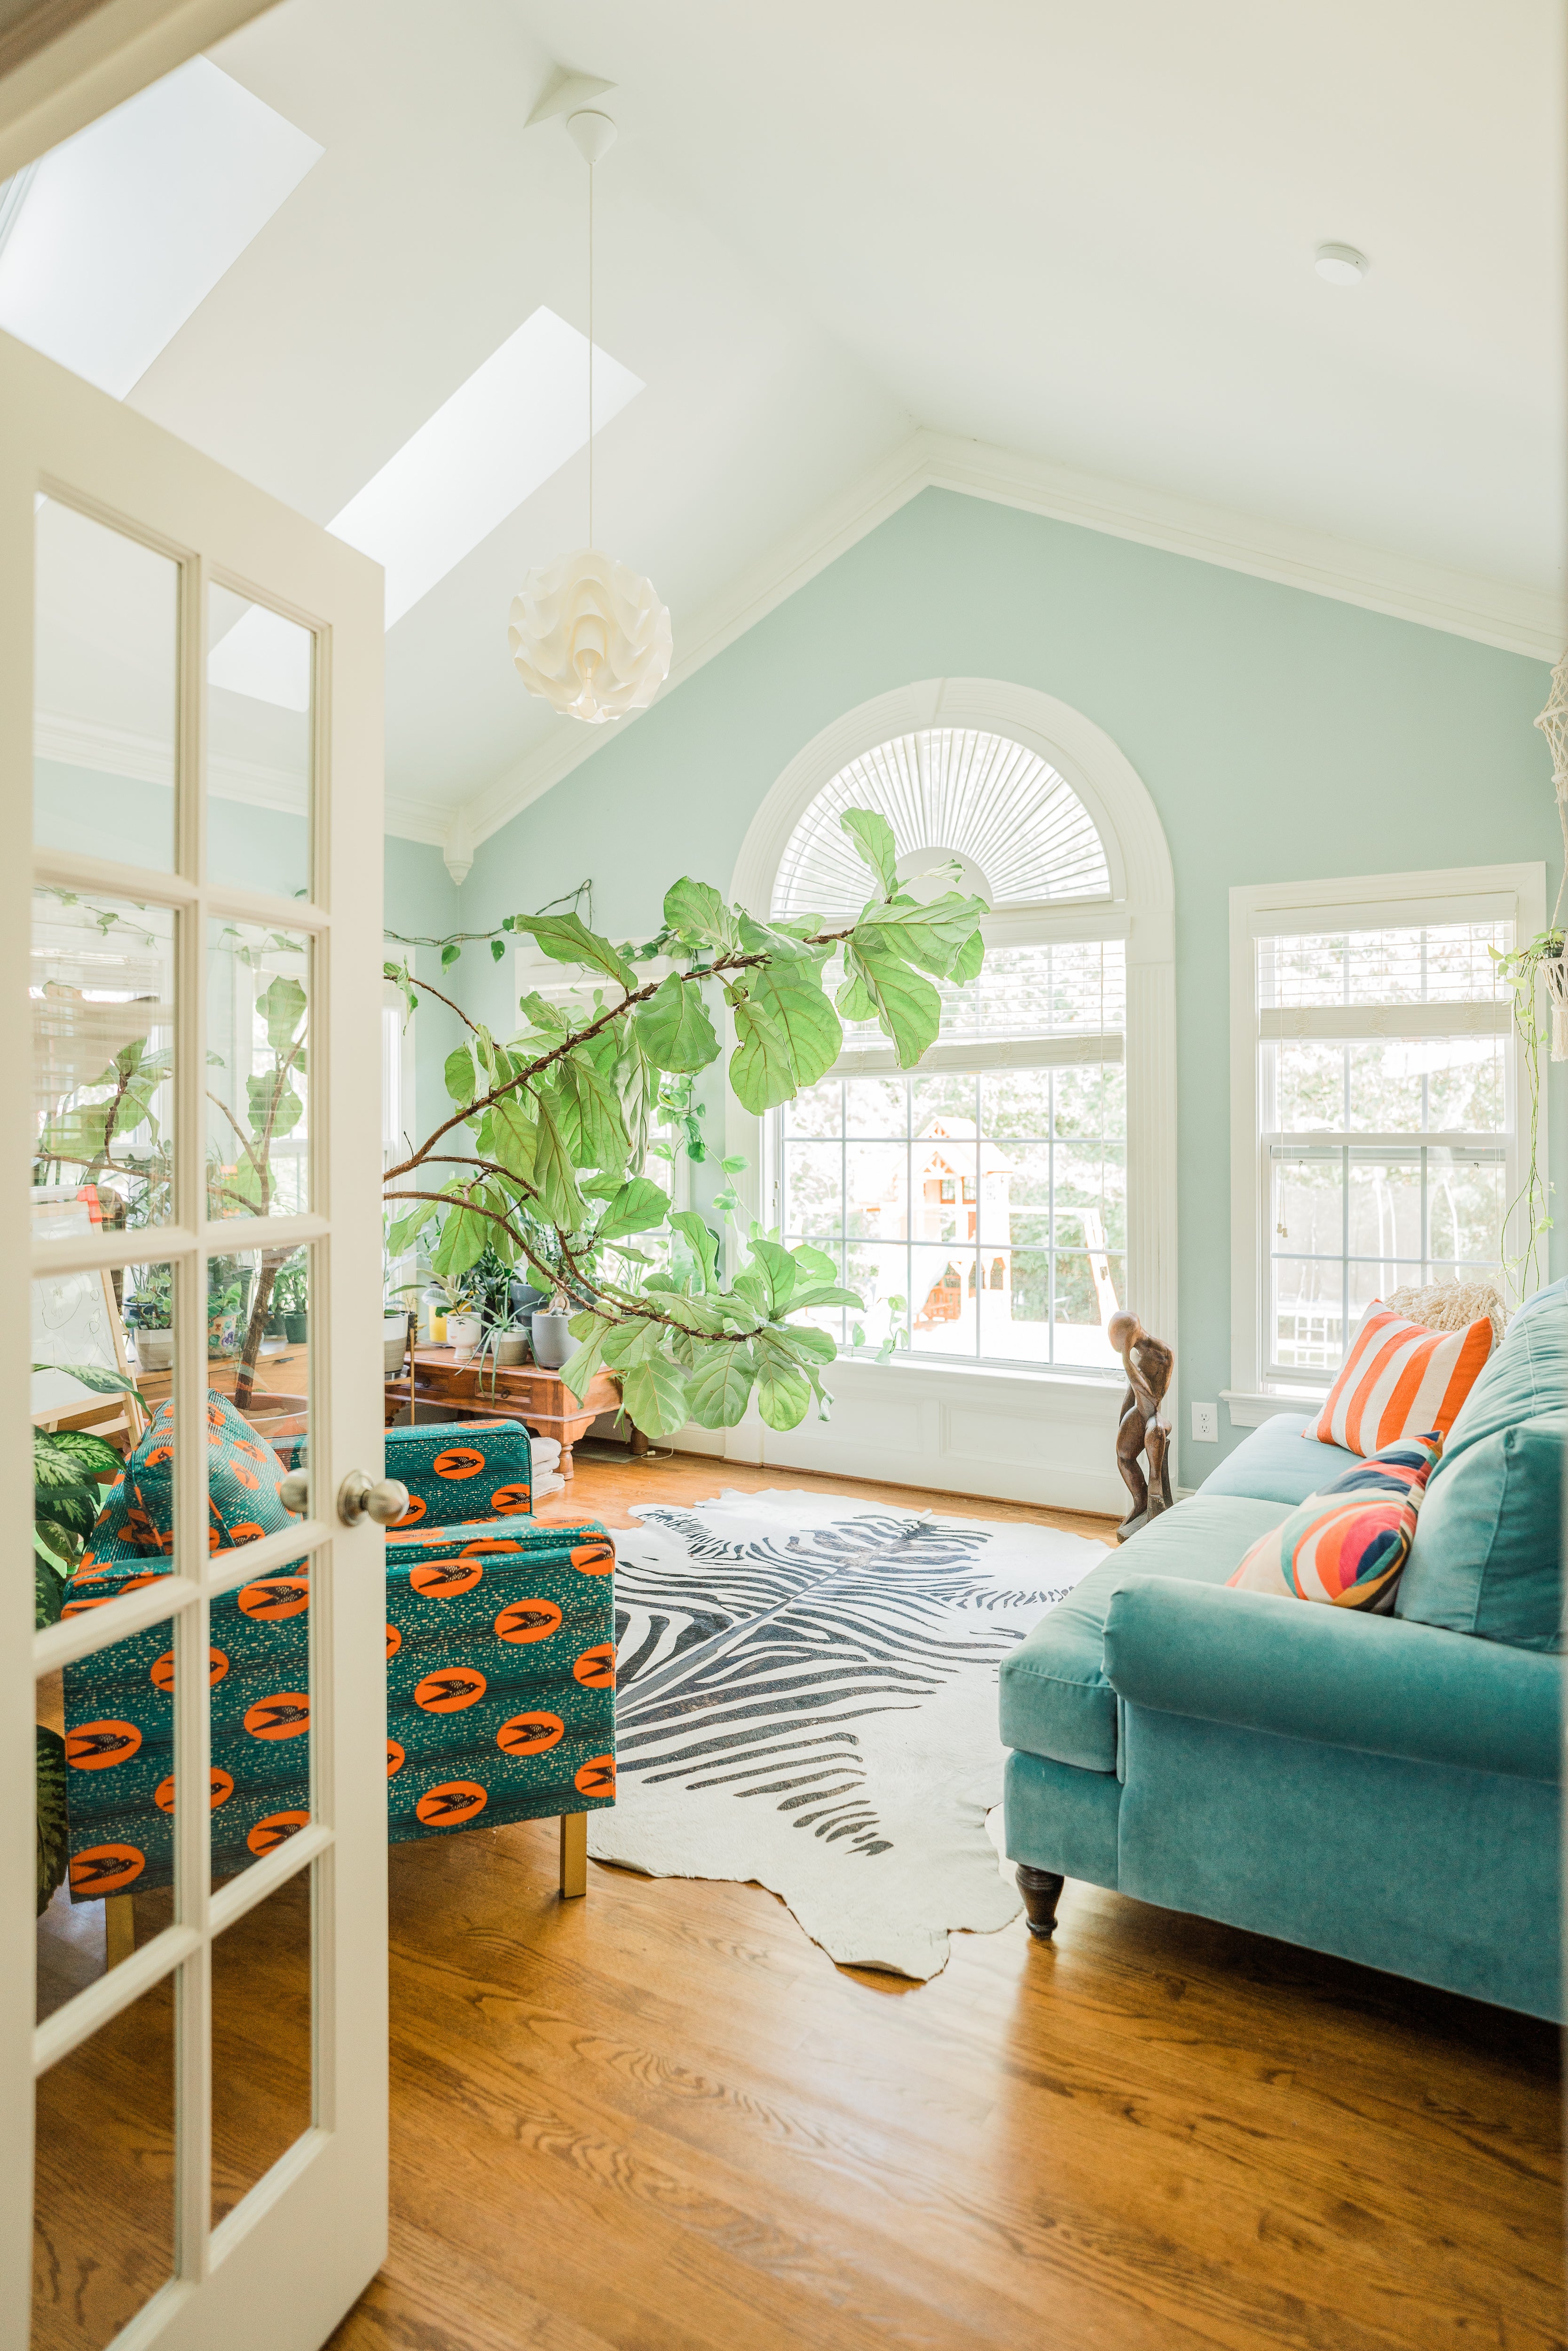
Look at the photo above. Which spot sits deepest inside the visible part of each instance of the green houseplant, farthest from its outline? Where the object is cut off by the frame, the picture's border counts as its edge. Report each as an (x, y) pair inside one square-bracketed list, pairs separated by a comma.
[(541, 1157), (1523, 973)]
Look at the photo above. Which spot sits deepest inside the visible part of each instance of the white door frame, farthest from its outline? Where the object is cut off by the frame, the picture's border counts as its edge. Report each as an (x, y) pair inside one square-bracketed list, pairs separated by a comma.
[(62, 65), (280, 2271)]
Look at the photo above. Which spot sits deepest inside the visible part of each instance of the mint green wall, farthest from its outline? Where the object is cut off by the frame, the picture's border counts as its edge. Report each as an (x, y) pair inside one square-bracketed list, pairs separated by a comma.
[(1282, 735), (421, 899)]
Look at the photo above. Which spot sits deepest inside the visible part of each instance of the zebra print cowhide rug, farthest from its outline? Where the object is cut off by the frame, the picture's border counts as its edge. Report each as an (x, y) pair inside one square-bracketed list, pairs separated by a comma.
[(808, 1699)]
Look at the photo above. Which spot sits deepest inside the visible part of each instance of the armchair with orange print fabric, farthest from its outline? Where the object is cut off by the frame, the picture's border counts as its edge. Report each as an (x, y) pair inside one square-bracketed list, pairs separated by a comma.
[(500, 1660)]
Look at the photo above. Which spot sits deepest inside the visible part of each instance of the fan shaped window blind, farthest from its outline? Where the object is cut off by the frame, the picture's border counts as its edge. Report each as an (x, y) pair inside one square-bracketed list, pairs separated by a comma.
[(1023, 834)]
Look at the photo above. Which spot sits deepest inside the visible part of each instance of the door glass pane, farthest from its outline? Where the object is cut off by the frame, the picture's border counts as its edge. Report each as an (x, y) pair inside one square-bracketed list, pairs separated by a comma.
[(258, 1358), (262, 2086), (258, 984), (100, 986), (105, 693), (103, 1484), (103, 2194), (261, 1736), (260, 684), (105, 1807)]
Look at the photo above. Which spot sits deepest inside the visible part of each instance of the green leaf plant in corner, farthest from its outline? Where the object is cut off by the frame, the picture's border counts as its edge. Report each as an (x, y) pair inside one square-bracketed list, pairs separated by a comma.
[(546, 1153)]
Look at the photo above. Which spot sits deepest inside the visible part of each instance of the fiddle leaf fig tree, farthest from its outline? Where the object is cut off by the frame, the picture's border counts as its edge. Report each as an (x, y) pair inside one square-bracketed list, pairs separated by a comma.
[(544, 1153)]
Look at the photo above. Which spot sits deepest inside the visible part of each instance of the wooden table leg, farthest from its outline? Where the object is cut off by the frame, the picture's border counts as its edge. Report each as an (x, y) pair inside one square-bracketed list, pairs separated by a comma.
[(119, 1928), (573, 1854)]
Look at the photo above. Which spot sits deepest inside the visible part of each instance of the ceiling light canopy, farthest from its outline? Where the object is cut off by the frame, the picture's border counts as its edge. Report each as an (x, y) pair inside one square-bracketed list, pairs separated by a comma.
[(1339, 264), (117, 236)]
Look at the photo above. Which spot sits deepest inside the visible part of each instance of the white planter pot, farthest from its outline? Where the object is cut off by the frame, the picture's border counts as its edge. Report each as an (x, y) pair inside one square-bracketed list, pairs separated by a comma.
[(553, 1342), (394, 1344), (511, 1346), (155, 1349), (463, 1335)]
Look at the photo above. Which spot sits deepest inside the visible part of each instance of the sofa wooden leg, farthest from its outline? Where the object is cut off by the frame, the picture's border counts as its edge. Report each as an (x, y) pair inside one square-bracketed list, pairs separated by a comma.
[(573, 1854), (118, 1929), (1042, 1890)]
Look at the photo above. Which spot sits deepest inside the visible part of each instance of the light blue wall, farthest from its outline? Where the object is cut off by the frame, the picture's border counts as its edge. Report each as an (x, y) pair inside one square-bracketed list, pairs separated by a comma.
[(1282, 735), (423, 900)]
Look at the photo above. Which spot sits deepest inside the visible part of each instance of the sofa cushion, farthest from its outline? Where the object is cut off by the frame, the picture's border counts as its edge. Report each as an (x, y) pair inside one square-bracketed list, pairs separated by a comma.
[(1281, 1462), (1526, 1376), (1055, 1700), (1488, 1553), (1347, 1543)]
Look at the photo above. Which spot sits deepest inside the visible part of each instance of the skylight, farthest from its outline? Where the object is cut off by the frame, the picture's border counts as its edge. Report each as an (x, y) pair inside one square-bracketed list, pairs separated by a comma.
[(514, 423), (124, 230)]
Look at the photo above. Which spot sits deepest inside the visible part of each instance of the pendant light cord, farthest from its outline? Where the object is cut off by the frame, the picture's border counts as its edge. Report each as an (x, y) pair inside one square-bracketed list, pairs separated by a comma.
[(590, 355)]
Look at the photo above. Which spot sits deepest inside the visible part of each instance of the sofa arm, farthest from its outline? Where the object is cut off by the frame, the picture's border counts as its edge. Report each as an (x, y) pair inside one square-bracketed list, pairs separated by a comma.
[(1310, 1671)]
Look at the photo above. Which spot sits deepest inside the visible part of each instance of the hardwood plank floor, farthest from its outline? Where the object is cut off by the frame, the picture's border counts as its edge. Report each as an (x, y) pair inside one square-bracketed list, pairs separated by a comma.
[(661, 2119)]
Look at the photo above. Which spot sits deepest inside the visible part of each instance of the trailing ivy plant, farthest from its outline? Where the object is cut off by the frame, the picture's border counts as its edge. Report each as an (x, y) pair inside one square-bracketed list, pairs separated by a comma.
[(1521, 972), (543, 1155)]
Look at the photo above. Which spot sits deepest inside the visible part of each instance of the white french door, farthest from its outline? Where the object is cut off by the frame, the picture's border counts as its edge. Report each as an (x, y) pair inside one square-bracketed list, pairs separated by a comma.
[(193, 2033)]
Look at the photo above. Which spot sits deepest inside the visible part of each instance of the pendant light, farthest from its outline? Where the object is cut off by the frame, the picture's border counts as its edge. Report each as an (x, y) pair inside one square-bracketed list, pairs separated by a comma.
[(587, 633)]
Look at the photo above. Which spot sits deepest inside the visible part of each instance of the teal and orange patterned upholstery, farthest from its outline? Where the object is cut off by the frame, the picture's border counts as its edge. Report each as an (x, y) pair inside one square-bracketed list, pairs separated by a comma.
[(500, 1661)]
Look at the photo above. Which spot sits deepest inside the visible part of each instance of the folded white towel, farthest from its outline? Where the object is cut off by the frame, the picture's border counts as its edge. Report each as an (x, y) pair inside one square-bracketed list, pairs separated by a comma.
[(547, 1483), (546, 1451)]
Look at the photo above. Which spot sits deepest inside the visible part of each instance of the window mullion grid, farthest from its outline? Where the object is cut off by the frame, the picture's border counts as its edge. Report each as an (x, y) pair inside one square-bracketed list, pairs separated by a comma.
[(1051, 1226), (909, 1209)]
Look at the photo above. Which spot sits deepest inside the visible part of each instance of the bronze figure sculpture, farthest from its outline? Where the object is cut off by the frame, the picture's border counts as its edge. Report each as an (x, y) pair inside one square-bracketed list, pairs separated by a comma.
[(1149, 1364)]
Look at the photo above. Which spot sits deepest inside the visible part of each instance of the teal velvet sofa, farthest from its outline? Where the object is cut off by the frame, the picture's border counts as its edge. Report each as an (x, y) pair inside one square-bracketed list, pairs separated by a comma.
[(1383, 1788)]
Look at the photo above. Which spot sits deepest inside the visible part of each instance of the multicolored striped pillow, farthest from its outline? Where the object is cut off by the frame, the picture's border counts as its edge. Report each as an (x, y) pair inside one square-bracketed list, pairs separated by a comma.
[(1399, 1377), (1349, 1544)]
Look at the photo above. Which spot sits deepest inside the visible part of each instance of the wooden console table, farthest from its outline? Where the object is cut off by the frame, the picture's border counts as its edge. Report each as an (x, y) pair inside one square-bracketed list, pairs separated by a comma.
[(539, 1399)]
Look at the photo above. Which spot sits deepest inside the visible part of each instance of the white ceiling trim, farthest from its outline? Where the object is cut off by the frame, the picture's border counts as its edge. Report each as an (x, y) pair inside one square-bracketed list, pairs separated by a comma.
[(1514, 618)]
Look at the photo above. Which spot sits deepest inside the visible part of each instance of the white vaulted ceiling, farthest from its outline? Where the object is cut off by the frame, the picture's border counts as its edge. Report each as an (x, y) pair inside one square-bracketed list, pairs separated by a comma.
[(1080, 235)]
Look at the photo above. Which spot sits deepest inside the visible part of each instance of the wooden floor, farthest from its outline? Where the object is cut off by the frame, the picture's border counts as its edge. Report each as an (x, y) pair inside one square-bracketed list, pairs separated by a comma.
[(660, 2119)]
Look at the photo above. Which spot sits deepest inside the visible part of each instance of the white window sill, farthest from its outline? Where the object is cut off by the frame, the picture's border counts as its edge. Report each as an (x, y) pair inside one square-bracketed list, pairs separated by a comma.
[(1078, 1390), (1253, 1411)]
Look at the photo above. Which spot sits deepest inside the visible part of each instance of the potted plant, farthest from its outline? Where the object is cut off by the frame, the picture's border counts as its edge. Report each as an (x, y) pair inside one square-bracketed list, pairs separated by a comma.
[(551, 1328), (290, 1295), (149, 1316)]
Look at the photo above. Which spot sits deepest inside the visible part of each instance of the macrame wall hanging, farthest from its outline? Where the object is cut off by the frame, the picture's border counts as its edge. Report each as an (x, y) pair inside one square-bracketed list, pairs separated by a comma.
[(1554, 724)]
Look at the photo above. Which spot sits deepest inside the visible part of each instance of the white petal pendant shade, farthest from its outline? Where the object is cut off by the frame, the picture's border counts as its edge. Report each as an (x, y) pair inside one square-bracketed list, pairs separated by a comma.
[(590, 636)]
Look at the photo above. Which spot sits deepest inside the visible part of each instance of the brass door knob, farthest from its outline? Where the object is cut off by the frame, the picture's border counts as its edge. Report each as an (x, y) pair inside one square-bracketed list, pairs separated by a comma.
[(384, 1499)]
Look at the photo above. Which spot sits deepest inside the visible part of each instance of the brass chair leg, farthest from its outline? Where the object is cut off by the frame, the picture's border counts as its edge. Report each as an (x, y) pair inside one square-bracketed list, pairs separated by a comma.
[(118, 1929), (573, 1854)]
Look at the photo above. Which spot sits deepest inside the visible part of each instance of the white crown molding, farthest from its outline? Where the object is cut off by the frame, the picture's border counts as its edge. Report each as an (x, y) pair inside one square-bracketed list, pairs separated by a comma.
[(1504, 613)]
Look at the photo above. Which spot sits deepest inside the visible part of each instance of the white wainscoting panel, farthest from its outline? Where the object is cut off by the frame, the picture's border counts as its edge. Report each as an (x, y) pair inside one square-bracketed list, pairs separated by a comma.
[(1015, 1438)]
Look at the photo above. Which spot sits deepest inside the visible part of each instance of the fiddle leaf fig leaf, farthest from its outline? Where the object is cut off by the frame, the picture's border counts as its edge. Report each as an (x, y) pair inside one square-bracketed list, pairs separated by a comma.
[(932, 935), (783, 1395), (653, 1396), (696, 911), (605, 1143), (569, 940), (459, 1074), (967, 961), (554, 1176), (673, 1028), (637, 1207), (704, 1245), (281, 1005), (874, 844), (788, 1036), (761, 1070), (779, 1273), (719, 1386), (907, 1007)]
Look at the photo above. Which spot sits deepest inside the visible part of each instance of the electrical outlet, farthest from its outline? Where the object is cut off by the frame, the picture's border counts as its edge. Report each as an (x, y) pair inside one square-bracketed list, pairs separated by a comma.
[(1206, 1424)]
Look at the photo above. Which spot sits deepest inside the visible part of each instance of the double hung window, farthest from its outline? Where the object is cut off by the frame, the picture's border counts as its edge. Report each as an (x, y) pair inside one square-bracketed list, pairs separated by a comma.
[(1376, 1117)]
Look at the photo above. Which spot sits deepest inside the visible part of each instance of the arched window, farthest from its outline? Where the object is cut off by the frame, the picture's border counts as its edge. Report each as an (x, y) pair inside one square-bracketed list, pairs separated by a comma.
[(996, 1205)]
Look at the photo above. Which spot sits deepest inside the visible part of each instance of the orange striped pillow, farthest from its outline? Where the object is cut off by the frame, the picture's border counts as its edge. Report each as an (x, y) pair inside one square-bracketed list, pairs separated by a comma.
[(1400, 1380)]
